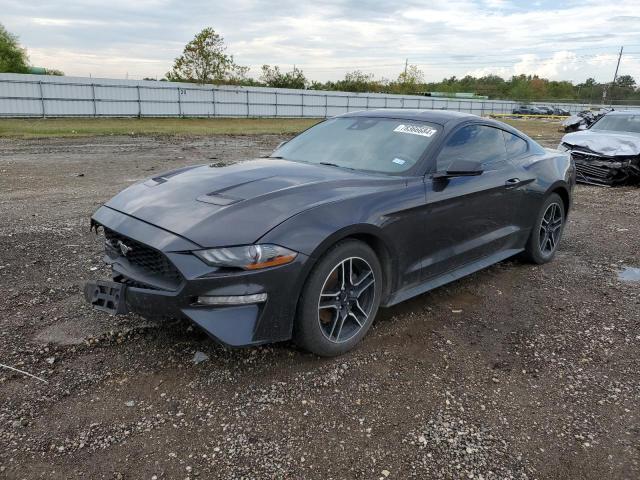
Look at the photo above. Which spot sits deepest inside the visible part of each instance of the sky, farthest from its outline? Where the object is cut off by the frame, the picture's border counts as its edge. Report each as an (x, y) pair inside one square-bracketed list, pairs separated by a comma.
[(570, 40)]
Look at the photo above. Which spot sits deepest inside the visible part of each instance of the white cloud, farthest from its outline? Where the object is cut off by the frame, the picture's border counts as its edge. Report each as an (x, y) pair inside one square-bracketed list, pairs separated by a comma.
[(571, 41)]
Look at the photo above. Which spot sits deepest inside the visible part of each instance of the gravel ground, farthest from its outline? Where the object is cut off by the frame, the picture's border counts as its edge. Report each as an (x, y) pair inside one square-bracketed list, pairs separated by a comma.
[(518, 371)]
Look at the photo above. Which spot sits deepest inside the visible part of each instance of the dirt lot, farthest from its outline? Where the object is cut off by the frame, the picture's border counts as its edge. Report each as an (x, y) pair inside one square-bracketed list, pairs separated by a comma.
[(518, 371)]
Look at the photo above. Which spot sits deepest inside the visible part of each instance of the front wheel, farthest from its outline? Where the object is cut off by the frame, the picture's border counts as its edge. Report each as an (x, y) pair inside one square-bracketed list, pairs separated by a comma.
[(339, 300), (547, 231)]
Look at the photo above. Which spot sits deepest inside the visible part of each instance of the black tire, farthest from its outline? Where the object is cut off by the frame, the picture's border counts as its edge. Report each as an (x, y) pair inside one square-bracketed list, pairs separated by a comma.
[(542, 244), (344, 318)]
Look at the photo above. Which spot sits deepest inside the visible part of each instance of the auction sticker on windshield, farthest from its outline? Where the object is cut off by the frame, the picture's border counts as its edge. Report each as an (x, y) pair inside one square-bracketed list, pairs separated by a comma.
[(416, 130)]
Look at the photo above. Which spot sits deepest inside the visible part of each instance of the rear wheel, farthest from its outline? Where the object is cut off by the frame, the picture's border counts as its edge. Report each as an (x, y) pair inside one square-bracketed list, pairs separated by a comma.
[(547, 231), (340, 299)]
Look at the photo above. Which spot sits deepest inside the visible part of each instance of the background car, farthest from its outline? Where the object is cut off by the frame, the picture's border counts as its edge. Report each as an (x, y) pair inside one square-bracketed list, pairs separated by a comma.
[(546, 110), (527, 110), (607, 151), (363, 210)]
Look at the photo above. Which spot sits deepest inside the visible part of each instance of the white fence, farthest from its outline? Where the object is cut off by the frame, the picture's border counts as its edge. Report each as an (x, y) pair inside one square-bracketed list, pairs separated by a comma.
[(51, 96)]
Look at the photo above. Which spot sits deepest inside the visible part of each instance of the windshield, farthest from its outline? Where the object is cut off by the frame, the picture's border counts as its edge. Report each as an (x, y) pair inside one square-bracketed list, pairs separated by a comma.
[(362, 143), (618, 123)]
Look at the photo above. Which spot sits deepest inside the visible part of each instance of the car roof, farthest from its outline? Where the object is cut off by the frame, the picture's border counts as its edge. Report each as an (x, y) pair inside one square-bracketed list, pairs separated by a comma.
[(624, 112), (440, 117), (436, 116)]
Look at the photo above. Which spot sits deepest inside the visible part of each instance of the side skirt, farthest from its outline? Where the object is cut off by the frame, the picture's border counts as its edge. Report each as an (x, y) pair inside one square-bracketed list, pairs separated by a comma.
[(402, 295)]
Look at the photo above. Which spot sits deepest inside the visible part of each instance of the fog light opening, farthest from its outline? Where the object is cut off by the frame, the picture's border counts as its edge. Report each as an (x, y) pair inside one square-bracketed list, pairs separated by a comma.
[(232, 299)]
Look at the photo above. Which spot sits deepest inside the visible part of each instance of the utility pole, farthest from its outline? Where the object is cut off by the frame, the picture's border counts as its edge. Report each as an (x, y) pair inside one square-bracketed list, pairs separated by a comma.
[(406, 65), (615, 76)]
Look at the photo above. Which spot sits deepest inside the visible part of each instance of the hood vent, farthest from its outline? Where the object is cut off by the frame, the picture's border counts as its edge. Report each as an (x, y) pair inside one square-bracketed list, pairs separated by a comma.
[(216, 198)]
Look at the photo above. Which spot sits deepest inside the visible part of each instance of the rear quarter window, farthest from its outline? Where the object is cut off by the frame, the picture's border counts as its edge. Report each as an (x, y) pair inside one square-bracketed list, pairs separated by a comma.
[(516, 146), (479, 143)]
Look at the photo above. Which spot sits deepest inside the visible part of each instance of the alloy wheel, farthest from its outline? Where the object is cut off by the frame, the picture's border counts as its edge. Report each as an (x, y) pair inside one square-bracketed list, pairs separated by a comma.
[(346, 299), (550, 229)]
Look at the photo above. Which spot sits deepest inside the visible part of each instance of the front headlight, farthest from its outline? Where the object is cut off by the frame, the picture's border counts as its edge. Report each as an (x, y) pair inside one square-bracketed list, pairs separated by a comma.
[(563, 147), (247, 257)]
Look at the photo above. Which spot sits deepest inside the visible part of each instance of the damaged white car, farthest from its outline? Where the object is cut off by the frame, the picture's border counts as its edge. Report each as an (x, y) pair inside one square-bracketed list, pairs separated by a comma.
[(608, 152)]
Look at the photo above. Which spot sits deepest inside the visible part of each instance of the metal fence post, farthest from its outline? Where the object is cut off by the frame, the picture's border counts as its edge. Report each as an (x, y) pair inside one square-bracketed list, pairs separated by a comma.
[(276, 104), (326, 106), (348, 98), (93, 99), (302, 95), (42, 98), (213, 100), (179, 102), (139, 102), (248, 103)]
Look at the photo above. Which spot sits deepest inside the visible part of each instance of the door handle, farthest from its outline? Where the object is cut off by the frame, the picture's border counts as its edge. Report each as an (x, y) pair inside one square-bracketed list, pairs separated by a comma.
[(512, 182)]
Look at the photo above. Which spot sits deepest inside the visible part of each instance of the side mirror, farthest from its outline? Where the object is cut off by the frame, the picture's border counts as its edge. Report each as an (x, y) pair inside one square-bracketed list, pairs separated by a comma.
[(461, 168)]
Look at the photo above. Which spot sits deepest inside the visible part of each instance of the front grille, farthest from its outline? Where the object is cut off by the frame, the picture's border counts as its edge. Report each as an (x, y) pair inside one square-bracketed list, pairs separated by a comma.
[(585, 157), (605, 170), (599, 170), (149, 262), (593, 171)]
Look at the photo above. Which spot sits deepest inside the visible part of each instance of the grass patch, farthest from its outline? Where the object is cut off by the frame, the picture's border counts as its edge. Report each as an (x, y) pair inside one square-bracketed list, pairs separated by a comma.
[(79, 127), (538, 129)]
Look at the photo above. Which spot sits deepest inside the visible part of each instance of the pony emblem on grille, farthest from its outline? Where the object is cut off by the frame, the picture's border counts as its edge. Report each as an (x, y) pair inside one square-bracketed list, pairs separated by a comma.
[(125, 249)]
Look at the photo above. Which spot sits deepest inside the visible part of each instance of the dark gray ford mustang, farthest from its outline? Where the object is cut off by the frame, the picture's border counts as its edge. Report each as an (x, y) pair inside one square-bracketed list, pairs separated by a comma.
[(360, 211)]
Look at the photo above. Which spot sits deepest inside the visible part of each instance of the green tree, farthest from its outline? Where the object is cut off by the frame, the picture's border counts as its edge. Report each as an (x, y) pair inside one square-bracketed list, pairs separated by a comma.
[(273, 77), (239, 76), (358, 81), (520, 88), (625, 81), (623, 88), (588, 91), (13, 58), (204, 60), (316, 85), (411, 80), (491, 85), (412, 75)]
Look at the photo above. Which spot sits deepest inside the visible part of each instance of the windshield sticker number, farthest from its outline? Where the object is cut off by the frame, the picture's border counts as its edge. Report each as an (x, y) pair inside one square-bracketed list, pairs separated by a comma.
[(416, 130), (399, 161)]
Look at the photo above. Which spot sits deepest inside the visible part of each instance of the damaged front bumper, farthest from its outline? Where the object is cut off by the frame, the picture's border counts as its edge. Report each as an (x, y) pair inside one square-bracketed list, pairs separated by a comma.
[(236, 308), (597, 169)]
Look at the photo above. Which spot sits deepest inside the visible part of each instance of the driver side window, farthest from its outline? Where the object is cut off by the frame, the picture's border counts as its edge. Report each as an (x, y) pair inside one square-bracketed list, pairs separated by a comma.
[(478, 143)]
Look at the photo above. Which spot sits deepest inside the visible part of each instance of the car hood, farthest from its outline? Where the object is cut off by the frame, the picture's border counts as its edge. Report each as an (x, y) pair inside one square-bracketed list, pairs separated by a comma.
[(237, 204), (605, 142)]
